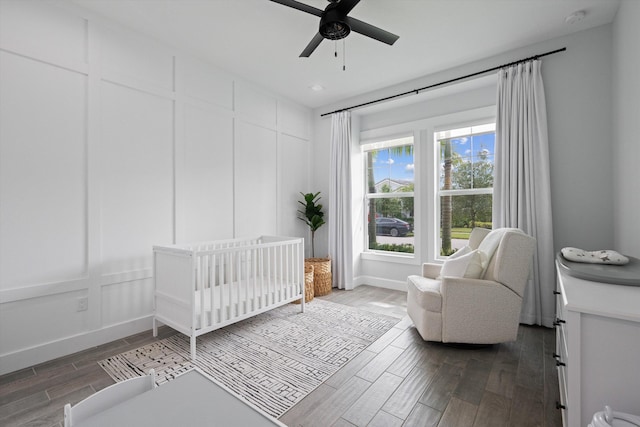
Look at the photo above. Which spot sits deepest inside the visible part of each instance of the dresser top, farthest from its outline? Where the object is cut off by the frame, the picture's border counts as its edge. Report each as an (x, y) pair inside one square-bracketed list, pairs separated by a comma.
[(628, 274), (599, 298)]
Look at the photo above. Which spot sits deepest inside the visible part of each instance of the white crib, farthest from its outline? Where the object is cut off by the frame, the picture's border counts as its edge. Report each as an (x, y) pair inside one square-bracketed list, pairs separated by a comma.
[(205, 286)]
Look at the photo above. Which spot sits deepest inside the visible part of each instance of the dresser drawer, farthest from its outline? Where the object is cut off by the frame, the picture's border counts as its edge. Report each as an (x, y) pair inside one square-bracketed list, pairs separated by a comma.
[(563, 404)]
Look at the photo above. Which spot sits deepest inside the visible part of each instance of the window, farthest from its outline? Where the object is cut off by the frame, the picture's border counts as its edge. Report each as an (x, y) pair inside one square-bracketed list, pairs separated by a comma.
[(402, 177), (465, 187), (389, 178)]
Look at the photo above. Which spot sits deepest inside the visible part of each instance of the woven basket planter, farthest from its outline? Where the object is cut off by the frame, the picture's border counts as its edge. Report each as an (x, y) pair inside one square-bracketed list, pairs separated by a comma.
[(322, 280), (308, 284)]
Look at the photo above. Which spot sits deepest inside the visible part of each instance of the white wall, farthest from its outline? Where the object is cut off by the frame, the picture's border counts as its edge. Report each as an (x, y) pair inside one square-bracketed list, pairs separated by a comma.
[(111, 142), (579, 100), (626, 128)]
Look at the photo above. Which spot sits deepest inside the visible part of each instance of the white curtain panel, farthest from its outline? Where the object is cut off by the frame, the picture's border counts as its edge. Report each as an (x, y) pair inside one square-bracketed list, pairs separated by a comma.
[(522, 192), (339, 220)]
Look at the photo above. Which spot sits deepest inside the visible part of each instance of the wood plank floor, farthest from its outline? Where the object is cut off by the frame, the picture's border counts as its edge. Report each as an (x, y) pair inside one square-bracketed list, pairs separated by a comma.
[(399, 380)]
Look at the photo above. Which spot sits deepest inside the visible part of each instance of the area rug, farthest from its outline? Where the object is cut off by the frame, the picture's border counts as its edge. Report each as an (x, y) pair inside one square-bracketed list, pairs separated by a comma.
[(273, 360)]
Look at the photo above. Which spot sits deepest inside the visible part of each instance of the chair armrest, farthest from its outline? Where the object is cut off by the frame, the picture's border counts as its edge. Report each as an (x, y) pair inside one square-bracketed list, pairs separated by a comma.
[(478, 311), (454, 285), (461, 294), (431, 270)]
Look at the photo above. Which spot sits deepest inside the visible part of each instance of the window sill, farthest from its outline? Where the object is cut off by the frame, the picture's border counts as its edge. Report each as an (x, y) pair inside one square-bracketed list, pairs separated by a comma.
[(397, 258)]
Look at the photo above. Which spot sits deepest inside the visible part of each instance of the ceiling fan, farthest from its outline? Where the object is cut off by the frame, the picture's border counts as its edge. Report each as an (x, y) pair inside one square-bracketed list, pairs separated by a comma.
[(336, 25)]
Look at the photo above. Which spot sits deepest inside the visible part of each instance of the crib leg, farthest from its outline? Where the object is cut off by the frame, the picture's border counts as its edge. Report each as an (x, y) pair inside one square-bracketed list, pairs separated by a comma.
[(155, 327), (302, 301), (193, 348)]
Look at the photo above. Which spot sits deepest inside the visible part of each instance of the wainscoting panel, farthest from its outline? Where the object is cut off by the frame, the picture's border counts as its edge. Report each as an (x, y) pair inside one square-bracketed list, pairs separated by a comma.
[(293, 179), (37, 30), (199, 80), (28, 323), (293, 120), (255, 180), (124, 301), (136, 152), (42, 173), (205, 191), (254, 106), (136, 58)]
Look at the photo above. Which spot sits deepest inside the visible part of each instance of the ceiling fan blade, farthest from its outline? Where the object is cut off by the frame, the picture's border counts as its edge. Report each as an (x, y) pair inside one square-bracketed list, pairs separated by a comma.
[(300, 6), (371, 31), (313, 44), (345, 6)]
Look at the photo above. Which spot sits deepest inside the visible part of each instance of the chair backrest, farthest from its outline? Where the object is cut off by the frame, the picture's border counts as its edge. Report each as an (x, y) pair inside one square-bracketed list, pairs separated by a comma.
[(512, 260), (476, 236), (108, 397)]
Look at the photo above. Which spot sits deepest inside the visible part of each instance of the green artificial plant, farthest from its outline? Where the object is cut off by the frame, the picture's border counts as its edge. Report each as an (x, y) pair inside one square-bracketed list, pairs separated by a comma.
[(311, 215)]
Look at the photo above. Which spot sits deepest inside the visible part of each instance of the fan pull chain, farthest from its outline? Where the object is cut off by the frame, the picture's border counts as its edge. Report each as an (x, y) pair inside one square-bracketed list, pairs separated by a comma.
[(335, 48), (344, 54)]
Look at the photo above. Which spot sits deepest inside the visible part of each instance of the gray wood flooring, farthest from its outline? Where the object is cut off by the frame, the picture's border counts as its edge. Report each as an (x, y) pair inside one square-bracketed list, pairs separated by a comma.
[(399, 380)]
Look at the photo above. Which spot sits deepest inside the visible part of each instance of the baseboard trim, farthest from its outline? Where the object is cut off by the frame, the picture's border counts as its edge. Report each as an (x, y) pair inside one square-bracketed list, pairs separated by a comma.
[(396, 285), (35, 355)]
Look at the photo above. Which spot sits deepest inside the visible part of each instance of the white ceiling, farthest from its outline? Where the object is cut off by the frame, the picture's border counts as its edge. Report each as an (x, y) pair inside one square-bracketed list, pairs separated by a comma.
[(260, 40)]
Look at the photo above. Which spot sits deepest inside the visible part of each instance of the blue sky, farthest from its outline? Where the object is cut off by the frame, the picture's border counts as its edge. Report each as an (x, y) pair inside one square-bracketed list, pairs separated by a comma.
[(401, 166), (396, 167), (469, 147)]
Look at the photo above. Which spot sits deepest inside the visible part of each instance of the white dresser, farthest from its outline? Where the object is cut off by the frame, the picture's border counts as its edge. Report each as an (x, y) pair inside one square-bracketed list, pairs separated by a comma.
[(597, 347)]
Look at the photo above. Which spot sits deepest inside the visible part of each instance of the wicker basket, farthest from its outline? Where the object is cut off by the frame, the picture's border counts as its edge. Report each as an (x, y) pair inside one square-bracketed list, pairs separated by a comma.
[(308, 284), (322, 281)]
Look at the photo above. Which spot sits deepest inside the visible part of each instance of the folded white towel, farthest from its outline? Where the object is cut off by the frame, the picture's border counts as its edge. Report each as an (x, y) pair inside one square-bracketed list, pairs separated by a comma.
[(594, 257)]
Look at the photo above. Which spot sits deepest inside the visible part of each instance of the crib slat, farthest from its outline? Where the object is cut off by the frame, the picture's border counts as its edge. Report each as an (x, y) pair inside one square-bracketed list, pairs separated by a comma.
[(246, 279), (254, 277), (301, 284), (194, 286), (290, 273), (275, 275), (265, 293), (202, 290), (239, 280), (269, 300), (211, 280), (285, 272), (229, 274), (220, 260), (278, 274)]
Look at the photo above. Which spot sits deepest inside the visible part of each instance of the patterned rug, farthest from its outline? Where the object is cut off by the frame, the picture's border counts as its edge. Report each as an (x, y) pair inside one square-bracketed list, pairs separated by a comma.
[(272, 360)]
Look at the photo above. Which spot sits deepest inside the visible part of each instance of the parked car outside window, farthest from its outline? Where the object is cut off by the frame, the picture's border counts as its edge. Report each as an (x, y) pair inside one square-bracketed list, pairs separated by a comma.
[(392, 226)]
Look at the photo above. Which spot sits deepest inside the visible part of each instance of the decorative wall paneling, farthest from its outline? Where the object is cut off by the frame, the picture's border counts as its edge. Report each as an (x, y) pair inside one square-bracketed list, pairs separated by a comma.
[(255, 178), (111, 142), (290, 150)]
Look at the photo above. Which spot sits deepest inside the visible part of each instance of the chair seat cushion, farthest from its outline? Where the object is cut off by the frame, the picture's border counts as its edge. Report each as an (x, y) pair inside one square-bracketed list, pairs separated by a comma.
[(426, 292)]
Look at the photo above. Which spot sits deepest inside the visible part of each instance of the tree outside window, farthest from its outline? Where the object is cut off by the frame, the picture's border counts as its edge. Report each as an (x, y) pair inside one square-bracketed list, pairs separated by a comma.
[(466, 183), (389, 196)]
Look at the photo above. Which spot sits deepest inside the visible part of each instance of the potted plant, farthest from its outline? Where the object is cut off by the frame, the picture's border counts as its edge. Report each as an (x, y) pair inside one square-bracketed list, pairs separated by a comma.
[(312, 215)]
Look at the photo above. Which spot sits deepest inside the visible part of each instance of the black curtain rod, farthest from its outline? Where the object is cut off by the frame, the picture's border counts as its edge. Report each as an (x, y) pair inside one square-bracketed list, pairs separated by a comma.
[(417, 91)]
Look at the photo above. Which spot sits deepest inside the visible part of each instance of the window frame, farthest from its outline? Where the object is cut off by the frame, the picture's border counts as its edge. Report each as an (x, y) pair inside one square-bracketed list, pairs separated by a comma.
[(367, 145), (455, 192), (426, 179)]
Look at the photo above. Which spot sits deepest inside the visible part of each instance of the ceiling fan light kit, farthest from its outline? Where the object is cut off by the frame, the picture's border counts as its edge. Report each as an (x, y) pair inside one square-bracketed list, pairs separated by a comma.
[(336, 25), (332, 24)]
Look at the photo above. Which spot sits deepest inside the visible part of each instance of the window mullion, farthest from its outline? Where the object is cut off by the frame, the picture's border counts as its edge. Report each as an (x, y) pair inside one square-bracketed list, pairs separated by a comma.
[(465, 192), (389, 195)]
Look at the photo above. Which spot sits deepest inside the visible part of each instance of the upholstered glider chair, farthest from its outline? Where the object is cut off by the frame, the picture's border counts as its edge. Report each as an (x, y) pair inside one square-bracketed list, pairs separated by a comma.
[(476, 295)]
